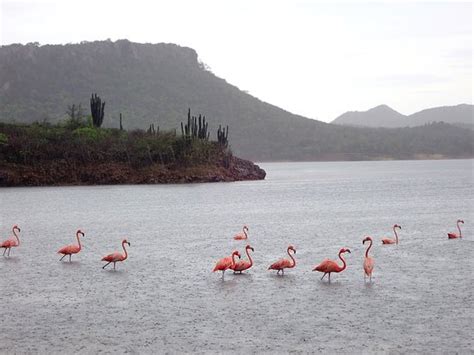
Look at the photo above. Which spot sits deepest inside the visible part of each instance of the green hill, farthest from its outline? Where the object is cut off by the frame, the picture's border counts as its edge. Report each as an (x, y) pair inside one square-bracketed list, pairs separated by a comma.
[(156, 83)]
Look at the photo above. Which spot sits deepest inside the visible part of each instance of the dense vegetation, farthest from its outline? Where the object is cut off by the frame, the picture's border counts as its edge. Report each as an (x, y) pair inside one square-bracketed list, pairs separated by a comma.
[(152, 83), (436, 140), (75, 152)]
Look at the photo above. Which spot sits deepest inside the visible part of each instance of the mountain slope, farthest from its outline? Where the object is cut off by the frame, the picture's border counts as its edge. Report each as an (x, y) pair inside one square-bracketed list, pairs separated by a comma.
[(450, 114), (156, 83), (384, 116)]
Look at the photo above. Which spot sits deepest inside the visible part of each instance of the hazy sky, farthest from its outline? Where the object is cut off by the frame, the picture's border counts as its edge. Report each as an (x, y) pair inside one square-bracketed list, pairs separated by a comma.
[(314, 58)]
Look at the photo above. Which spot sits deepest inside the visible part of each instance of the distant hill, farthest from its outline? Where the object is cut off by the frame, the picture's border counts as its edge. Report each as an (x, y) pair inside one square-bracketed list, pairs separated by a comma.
[(384, 116), (380, 116), (460, 114), (156, 83)]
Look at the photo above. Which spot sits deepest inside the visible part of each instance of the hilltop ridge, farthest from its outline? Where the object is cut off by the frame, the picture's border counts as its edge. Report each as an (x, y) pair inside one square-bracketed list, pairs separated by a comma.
[(385, 116)]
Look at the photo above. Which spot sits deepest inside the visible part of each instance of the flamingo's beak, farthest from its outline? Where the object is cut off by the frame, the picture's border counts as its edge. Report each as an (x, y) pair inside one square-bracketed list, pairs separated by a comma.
[(252, 249), (348, 251), (128, 243)]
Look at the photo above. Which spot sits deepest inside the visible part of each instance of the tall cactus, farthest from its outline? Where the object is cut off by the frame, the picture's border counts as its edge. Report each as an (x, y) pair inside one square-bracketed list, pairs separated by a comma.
[(97, 110), (223, 135), (202, 130), (195, 128), (153, 131)]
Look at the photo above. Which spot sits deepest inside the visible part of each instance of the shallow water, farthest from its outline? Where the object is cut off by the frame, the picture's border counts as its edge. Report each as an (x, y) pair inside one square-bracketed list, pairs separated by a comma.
[(164, 298)]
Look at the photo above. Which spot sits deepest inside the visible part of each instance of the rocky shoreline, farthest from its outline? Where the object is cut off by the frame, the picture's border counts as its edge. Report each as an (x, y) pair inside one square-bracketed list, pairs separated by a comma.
[(62, 172)]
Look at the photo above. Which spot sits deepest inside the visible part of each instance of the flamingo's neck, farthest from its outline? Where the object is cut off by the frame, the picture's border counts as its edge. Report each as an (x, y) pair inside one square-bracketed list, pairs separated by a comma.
[(292, 258), (459, 229), (125, 251), (233, 260), (396, 235), (343, 261), (18, 239), (248, 256), (245, 233), (367, 251), (78, 240)]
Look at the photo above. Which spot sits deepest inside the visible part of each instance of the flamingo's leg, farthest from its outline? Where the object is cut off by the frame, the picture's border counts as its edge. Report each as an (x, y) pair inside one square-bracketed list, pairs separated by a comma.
[(4, 251), (9, 250), (323, 275), (70, 257), (62, 257), (114, 265), (103, 267), (329, 275)]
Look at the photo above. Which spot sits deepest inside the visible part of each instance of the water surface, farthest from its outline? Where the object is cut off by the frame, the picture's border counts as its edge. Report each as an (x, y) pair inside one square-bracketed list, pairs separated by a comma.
[(164, 298)]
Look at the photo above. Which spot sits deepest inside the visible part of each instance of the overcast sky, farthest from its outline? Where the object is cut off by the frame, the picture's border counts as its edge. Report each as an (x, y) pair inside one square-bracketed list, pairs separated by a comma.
[(314, 58)]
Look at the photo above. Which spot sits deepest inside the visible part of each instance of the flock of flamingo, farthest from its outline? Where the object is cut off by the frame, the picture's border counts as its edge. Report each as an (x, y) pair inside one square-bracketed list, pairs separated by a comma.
[(68, 250), (326, 267)]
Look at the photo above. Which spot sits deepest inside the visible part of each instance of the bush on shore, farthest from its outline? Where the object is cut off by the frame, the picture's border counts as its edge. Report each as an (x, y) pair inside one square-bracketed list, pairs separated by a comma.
[(80, 143)]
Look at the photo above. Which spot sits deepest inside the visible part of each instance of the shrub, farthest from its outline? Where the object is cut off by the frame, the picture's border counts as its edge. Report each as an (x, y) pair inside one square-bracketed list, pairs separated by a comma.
[(3, 139), (89, 133)]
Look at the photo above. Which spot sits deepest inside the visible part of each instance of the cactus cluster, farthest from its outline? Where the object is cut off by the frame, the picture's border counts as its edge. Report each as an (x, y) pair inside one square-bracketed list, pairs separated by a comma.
[(222, 136), (197, 127), (97, 110), (152, 130)]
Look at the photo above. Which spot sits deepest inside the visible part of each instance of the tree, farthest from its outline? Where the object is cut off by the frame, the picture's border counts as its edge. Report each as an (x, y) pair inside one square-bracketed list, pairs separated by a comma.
[(75, 112)]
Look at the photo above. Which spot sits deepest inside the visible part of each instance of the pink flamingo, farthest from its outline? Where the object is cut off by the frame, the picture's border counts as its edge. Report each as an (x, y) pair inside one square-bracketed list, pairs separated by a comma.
[(328, 266), (117, 256), (368, 261), (392, 240), (243, 264), (242, 235), (226, 263), (11, 242), (72, 249), (454, 235), (283, 264)]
